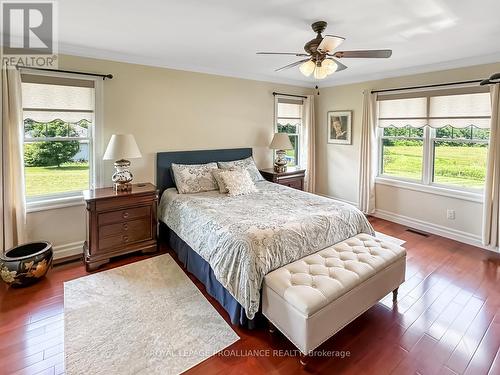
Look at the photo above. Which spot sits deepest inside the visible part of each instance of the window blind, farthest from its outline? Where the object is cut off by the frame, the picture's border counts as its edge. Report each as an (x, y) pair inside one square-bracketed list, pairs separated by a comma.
[(47, 98), (289, 108), (459, 108)]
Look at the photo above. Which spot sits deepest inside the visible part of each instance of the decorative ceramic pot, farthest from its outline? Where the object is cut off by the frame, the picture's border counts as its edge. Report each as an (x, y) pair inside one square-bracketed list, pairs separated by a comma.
[(25, 264)]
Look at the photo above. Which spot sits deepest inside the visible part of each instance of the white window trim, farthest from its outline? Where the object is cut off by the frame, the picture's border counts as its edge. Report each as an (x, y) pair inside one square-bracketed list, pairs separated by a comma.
[(426, 184), (443, 190), (53, 203), (70, 199), (299, 133)]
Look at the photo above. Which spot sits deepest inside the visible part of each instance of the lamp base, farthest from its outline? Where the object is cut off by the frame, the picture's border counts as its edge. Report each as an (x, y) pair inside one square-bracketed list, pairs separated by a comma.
[(280, 162), (122, 177), (118, 187), (280, 168)]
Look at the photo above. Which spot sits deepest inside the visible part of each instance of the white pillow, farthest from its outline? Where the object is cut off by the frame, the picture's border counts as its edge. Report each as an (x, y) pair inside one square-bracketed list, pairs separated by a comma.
[(194, 178), (248, 164), (238, 182), (220, 182)]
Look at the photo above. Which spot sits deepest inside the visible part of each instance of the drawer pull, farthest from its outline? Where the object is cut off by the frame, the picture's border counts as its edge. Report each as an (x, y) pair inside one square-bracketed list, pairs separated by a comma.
[(125, 238), (125, 226), (125, 215)]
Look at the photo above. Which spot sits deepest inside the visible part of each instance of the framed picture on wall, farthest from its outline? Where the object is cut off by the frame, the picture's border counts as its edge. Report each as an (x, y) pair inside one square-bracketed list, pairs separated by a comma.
[(339, 125)]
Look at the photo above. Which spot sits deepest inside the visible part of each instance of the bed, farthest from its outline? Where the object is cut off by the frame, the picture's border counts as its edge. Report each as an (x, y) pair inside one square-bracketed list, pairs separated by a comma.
[(231, 243)]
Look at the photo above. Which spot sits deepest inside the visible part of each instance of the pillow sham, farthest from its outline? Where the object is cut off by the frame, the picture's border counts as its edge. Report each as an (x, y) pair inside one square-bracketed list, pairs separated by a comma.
[(194, 178), (248, 164), (220, 182), (238, 182)]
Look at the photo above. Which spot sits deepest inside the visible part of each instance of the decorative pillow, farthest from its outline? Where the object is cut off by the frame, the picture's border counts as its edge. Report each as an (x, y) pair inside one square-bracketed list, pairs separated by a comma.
[(220, 182), (194, 178), (238, 182), (248, 164)]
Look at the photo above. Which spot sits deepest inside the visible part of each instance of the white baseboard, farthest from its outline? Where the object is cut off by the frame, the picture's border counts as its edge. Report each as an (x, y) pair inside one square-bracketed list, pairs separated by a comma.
[(440, 230), (68, 250)]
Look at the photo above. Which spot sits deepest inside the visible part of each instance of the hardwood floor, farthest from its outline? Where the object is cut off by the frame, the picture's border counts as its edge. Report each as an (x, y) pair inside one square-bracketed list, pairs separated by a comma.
[(446, 321)]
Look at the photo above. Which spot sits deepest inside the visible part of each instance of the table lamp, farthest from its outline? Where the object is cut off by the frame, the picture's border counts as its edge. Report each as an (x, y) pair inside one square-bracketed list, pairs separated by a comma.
[(122, 147), (280, 143)]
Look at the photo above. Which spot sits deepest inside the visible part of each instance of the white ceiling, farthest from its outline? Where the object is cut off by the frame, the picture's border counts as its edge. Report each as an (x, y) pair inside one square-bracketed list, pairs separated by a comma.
[(222, 36)]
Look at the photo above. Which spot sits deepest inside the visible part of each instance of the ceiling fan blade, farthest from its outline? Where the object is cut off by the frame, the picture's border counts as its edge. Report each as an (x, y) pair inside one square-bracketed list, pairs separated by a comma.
[(374, 53), (291, 65), (330, 42), (283, 53), (340, 66)]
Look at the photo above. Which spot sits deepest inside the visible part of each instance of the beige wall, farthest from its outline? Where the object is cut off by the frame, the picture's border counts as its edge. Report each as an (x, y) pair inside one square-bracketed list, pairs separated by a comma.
[(64, 227), (338, 165), (168, 110)]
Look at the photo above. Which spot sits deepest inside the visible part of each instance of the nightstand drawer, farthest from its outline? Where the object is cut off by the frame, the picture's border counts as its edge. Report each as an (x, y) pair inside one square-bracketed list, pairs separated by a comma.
[(124, 215), (126, 227), (125, 238), (123, 202), (295, 183)]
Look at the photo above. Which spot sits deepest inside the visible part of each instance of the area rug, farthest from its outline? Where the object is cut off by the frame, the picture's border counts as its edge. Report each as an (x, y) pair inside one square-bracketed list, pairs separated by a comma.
[(146, 317), (387, 238)]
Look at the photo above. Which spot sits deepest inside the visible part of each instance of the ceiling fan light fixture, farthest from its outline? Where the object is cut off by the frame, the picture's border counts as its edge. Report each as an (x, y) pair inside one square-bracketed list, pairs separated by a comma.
[(320, 72), (307, 68), (320, 57), (330, 66)]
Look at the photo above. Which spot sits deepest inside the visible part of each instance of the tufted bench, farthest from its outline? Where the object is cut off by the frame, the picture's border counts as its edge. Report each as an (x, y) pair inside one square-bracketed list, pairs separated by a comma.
[(313, 298)]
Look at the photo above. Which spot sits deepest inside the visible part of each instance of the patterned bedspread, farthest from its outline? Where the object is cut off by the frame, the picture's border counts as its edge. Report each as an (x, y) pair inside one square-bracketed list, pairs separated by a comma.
[(243, 238)]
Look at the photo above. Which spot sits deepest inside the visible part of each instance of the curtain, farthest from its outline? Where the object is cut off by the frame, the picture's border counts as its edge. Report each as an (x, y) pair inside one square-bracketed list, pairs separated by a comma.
[(368, 154), (308, 158), (491, 208), (12, 202)]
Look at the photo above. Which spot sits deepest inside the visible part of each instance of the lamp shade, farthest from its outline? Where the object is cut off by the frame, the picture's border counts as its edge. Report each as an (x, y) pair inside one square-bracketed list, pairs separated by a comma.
[(122, 146), (281, 141)]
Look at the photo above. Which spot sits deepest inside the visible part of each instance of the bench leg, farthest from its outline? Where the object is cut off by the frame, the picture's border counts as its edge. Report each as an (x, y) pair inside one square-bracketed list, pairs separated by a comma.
[(270, 327), (303, 359), (395, 295)]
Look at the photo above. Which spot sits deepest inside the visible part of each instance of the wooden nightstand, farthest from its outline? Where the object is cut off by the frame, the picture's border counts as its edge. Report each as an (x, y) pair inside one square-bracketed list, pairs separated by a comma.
[(293, 177), (119, 223)]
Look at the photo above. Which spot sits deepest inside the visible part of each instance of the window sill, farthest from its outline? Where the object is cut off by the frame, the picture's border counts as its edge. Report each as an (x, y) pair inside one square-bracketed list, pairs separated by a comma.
[(431, 189), (54, 203)]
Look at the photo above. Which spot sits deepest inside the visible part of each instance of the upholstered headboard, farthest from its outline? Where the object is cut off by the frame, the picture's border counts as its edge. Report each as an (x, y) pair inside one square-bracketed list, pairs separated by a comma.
[(165, 159)]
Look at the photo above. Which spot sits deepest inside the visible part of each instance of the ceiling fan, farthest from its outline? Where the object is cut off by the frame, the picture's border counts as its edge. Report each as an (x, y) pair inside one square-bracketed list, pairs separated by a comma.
[(321, 57)]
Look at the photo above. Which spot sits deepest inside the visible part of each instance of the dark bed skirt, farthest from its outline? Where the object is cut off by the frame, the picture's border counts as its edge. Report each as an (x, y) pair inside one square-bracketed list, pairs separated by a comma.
[(200, 268)]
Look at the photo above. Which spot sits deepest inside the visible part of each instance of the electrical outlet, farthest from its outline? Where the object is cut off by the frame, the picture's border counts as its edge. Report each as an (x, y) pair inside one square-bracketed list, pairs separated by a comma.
[(450, 214)]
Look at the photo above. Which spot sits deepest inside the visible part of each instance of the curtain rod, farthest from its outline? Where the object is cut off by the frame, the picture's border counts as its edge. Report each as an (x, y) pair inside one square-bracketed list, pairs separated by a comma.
[(103, 76), (295, 96), (429, 86)]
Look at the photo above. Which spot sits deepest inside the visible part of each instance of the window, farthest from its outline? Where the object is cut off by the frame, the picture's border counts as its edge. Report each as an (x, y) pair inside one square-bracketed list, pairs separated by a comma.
[(435, 138), (403, 152), (289, 120), (59, 127)]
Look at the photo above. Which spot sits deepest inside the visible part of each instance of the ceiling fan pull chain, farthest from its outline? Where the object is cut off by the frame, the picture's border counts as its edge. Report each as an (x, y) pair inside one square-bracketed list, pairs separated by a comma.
[(317, 89)]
